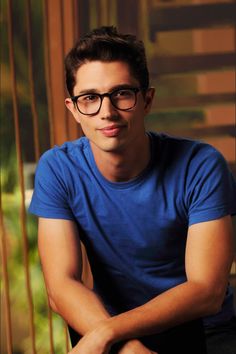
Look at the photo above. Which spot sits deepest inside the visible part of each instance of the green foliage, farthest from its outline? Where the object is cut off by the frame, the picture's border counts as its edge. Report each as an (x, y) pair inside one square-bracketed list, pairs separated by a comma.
[(16, 270), (8, 171)]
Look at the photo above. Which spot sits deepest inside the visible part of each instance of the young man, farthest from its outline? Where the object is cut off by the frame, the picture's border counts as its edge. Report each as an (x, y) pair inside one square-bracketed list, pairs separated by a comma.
[(153, 212)]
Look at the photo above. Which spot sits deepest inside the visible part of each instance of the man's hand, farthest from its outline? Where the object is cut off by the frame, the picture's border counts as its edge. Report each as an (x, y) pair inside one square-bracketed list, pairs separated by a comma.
[(135, 347), (97, 341)]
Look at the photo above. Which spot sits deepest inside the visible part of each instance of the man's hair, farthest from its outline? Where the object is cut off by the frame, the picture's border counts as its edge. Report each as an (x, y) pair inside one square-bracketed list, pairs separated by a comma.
[(106, 44)]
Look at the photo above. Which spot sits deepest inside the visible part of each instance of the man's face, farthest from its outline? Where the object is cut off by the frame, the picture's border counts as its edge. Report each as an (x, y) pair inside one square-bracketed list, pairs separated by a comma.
[(110, 130)]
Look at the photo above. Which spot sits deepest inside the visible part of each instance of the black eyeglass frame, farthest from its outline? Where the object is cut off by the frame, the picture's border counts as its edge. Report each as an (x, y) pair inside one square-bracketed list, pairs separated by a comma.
[(106, 94)]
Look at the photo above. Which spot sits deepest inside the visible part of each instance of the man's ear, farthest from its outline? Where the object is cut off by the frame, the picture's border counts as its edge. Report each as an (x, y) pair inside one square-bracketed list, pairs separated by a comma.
[(72, 108), (149, 99)]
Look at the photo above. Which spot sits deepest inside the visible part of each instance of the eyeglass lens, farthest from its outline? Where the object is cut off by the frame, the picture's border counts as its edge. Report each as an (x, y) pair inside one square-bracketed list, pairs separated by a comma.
[(123, 99)]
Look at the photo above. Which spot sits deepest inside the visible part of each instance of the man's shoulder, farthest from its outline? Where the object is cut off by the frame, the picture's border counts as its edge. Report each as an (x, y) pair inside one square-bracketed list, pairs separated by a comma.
[(184, 147), (174, 140), (65, 151)]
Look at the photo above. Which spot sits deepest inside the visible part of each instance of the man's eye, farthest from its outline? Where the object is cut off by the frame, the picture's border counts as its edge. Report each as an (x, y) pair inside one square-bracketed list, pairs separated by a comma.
[(89, 98), (123, 93)]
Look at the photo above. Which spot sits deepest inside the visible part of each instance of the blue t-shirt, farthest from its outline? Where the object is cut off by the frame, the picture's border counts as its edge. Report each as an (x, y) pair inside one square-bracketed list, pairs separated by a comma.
[(135, 232)]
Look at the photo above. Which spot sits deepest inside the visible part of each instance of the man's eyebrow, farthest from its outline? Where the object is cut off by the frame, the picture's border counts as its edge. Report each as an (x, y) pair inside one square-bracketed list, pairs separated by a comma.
[(86, 91), (113, 88)]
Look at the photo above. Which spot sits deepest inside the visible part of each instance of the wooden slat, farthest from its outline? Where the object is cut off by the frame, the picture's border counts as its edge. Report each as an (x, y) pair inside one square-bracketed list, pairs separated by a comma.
[(47, 72), (22, 211), (221, 130), (70, 36), (55, 44), (186, 102), (191, 17), (61, 33), (35, 117), (165, 65)]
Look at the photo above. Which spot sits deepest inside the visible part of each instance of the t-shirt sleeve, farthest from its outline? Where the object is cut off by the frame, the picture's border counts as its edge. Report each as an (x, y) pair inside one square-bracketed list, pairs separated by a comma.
[(50, 196), (211, 187)]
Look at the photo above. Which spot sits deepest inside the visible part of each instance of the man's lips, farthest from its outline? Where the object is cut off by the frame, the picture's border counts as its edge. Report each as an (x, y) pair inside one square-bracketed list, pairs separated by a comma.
[(112, 130)]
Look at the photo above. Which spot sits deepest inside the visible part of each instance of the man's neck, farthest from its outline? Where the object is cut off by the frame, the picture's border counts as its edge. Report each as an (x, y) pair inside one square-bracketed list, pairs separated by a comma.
[(125, 165)]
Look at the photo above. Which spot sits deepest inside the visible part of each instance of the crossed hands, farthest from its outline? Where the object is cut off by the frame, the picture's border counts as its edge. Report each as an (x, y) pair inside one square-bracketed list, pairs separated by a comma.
[(98, 342)]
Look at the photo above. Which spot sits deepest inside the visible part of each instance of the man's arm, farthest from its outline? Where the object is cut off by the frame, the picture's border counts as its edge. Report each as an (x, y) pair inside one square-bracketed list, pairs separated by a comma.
[(61, 258), (209, 254)]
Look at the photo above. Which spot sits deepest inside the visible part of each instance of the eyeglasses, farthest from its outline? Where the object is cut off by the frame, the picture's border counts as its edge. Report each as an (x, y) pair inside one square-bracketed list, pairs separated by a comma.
[(122, 99)]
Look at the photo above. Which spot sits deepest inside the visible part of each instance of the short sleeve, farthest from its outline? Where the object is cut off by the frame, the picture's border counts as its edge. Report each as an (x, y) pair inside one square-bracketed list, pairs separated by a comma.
[(50, 196), (210, 187)]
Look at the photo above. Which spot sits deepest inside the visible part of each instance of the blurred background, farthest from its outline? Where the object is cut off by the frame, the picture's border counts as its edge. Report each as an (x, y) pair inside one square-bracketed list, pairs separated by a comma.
[(191, 55)]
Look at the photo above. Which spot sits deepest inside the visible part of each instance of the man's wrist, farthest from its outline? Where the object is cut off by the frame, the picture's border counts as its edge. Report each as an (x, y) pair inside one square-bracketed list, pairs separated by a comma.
[(107, 332)]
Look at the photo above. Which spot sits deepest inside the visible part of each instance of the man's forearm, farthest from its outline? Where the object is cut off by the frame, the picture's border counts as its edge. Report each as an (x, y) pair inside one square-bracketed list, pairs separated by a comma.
[(83, 310), (80, 307), (178, 305)]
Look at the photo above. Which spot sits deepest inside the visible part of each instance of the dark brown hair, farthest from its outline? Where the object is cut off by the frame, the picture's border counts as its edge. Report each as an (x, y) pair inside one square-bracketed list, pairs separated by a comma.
[(106, 44)]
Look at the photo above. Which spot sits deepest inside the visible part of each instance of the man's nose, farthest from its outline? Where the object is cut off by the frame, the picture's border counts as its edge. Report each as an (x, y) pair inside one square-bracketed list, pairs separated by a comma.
[(107, 109)]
